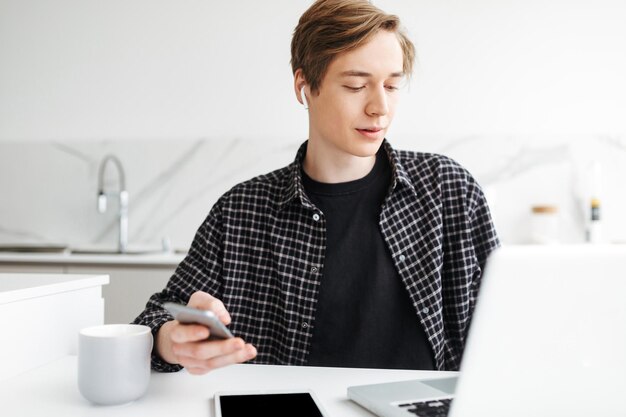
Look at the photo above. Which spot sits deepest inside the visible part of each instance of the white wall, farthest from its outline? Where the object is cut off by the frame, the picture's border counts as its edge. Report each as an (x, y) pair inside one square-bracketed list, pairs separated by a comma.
[(517, 66), (188, 93), (156, 69)]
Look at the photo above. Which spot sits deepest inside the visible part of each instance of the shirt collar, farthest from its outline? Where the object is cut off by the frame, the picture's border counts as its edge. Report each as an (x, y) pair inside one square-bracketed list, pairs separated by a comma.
[(399, 177), (294, 189)]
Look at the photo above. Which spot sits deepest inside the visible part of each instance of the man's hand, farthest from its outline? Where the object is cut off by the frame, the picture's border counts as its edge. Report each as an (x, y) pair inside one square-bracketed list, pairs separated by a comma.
[(187, 344)]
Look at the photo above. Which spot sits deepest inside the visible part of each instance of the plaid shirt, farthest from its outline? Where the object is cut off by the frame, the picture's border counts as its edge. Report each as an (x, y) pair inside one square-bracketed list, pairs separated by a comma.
[(261, 251)]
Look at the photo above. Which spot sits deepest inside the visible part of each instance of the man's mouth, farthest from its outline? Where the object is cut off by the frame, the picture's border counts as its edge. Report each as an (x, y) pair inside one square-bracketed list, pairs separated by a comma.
[(371, 132), (370, 129)]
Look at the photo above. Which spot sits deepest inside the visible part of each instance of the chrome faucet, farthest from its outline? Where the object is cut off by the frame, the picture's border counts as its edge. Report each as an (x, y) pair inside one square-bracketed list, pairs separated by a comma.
[(122, 196)]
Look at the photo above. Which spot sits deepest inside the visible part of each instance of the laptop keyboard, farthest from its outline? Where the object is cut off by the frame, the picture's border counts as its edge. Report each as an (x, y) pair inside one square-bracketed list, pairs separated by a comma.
[(434, 408)]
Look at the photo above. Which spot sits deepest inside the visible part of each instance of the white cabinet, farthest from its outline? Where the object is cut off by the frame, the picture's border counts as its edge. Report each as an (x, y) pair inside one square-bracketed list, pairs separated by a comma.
[(41, 314), (133, 278), (129, 288)]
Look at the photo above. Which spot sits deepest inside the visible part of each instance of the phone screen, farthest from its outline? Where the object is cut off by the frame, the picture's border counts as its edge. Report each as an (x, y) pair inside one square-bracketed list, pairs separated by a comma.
[(277, 405)]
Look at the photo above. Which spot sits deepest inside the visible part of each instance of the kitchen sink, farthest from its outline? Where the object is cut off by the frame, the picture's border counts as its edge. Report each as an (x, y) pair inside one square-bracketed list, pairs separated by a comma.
[(107, 251), (34, 248), (52, 249), (131, 251)]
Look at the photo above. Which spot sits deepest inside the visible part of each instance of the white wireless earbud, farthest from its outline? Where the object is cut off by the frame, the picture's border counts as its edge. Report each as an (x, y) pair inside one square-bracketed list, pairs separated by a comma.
[(304, 102)]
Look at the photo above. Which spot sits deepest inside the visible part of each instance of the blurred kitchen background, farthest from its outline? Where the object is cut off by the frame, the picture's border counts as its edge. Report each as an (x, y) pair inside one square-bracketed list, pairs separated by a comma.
[(195, 96)]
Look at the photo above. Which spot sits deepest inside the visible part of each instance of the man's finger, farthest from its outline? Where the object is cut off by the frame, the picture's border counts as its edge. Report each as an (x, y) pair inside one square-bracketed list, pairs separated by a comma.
[(184, 333), (204, 301), (208, 350), (198, 366), (240, 356)]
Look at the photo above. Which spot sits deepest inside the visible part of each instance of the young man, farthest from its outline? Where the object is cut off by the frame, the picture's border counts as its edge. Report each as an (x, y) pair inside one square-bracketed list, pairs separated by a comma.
[(355, 254)]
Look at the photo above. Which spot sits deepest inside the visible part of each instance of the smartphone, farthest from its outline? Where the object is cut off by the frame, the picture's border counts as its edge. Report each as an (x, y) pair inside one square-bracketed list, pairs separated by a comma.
[(187, 315), (301, 403)]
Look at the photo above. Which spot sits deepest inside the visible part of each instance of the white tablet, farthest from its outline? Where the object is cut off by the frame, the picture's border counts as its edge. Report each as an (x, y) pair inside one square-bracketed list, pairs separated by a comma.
[(301, 403)]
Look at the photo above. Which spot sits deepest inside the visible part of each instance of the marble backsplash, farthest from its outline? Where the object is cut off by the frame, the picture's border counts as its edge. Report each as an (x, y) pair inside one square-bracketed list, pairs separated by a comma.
[(48, 191)]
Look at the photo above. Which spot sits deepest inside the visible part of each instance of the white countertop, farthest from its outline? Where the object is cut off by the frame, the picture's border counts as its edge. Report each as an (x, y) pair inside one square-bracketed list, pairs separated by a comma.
[(174, 258), (52, 390), (156, 259), (17, 287)]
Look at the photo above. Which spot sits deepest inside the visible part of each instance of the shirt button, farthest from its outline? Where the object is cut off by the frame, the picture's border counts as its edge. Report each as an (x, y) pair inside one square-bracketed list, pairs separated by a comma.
[(314, 269), (305, 325), (401, 258), (316, 217), (425, 310)]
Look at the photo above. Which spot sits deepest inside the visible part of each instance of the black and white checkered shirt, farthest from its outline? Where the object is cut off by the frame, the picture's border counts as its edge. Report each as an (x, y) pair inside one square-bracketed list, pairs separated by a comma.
[(261, 251)]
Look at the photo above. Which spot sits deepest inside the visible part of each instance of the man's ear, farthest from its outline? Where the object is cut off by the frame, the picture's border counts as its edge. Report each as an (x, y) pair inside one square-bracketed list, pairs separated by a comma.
[(305, 103), (299, 84)]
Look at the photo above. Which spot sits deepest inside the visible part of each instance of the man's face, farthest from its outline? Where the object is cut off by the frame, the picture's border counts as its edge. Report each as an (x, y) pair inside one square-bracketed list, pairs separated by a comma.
[(357, 97)]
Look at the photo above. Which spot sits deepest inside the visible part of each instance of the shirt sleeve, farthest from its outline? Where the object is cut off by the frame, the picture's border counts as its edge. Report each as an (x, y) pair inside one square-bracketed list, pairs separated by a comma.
[(482, 233), (201, 270)]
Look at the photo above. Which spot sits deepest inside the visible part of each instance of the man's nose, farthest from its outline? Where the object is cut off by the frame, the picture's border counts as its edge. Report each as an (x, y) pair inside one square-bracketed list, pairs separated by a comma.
[(377, 104)]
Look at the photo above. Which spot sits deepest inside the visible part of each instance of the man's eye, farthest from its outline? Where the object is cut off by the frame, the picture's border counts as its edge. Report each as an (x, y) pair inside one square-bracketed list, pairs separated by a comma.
[(391, 87), (354, 88)]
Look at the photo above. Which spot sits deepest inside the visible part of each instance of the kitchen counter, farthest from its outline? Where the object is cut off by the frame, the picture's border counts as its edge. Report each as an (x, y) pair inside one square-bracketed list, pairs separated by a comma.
[(64, 258), (146, 258)]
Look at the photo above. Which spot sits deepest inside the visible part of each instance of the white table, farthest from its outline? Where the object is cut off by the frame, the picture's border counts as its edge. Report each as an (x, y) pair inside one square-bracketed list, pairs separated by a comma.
[(52, 391)]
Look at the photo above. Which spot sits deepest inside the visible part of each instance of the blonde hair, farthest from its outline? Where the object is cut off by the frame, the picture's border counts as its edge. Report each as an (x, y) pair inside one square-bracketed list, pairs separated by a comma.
[(331, 27)]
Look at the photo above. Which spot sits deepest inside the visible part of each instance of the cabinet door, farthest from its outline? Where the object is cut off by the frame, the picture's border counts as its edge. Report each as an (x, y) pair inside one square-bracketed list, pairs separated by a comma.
[(129, 288)]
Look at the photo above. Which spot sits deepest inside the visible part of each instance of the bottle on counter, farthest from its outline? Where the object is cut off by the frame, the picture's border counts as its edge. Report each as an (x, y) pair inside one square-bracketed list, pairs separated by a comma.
[(544, 227), (594, 225)]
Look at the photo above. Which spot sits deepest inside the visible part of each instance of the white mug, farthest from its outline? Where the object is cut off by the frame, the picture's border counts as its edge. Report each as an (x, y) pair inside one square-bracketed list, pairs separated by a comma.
[(114, 362)]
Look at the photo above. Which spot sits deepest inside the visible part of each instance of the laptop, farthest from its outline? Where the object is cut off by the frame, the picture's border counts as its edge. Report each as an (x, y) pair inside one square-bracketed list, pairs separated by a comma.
[(548, 338)]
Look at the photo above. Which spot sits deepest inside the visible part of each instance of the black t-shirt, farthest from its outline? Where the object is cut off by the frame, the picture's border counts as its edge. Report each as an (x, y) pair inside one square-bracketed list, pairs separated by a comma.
[(364, 316)]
